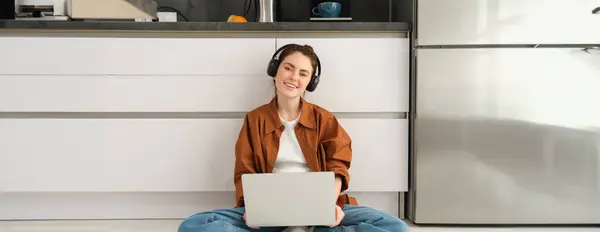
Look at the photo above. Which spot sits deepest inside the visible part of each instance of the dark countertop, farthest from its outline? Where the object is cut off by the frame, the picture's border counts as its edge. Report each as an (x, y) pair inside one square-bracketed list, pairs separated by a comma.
[(204, 26)]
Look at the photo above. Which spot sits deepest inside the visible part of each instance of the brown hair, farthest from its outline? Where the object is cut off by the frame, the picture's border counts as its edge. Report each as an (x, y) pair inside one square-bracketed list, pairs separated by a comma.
[(306, 50)]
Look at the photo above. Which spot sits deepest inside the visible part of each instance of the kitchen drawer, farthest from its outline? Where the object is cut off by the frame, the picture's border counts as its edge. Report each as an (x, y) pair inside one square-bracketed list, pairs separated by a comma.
[(134, 93), (361, 74), (507, 22), (168, 155), (135, 56)]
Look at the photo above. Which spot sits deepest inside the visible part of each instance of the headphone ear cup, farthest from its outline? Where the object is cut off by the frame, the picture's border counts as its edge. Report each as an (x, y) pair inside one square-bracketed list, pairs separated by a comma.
[(272, 67), (312, 85)]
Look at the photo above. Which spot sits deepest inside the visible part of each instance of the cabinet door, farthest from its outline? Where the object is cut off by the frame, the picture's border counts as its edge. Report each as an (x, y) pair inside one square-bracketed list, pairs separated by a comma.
[(507, 128), (382, 145), (75, 74), (168, 155), (360, 74), (134, 56), (507, 22), (134, 93)]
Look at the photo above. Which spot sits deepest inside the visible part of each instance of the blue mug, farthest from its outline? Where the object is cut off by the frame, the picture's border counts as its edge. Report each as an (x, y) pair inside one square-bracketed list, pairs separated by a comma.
[(328, 9)]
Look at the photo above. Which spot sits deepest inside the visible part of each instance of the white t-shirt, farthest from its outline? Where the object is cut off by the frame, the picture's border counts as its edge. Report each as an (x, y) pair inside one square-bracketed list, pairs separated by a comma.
[(290, 157)]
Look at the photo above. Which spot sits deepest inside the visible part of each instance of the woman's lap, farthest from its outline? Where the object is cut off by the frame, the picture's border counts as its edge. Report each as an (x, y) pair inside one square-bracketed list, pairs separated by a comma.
[(230, 220), (367, 219), (357, 218), (206, 221)]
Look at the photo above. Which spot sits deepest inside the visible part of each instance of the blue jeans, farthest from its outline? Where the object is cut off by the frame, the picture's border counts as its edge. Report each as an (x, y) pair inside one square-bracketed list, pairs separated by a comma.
[(357, 218)]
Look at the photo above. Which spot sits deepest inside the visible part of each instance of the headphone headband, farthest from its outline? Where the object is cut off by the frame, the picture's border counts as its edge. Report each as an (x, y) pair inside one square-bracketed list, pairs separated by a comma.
[(284, 47)]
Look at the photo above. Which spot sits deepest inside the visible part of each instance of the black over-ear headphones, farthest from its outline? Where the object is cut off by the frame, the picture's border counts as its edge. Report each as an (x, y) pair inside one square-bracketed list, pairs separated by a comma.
[(275, 62)]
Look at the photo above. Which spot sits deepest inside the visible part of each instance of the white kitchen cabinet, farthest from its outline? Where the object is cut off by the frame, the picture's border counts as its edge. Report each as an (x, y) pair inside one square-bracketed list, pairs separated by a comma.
[(185, 164), (360, 74), (551, 86), (134, 93), (168, 155), (117, 155), (81, 74), (162, 57), (380, 154), (507, 22)]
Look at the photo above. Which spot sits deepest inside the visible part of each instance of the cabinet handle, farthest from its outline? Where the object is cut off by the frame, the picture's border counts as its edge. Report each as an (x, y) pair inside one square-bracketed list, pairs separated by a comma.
[(596, 11)]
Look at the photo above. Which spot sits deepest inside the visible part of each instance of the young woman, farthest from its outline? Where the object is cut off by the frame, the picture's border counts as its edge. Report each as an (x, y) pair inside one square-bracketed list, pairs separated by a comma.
[(290, 134)]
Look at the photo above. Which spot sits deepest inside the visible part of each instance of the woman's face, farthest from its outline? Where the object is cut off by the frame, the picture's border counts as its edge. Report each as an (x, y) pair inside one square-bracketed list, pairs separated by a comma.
[(293, 75)]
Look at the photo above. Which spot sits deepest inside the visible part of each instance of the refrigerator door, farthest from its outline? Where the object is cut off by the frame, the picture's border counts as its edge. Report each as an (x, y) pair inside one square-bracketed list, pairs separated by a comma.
[(507, 136), (507, 22)]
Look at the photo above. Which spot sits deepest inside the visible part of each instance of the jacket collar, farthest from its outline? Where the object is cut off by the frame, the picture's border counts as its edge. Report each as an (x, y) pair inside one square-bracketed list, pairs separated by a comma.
[(307, 117)]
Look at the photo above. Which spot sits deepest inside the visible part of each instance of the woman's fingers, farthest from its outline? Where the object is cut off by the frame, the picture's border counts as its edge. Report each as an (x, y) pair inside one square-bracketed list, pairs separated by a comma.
[(339, 215), (256, 228)]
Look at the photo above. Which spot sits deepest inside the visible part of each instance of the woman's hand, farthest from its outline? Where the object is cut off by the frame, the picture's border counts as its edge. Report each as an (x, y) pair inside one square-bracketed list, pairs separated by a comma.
[(256, 228), (339, 215)]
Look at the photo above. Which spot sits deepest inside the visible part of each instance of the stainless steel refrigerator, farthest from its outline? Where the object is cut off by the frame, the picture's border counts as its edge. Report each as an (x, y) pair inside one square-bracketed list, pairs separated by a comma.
[(507, 112)]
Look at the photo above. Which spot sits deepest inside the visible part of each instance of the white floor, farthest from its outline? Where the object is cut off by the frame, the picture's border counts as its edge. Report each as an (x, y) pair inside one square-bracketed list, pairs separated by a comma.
[(171, 226)]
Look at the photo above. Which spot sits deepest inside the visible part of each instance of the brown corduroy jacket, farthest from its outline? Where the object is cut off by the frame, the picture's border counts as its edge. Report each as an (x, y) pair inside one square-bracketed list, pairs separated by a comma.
[(325, 144)]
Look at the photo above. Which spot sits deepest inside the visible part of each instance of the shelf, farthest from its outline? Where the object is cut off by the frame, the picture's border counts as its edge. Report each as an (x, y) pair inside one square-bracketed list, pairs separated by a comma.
[(119, 26)]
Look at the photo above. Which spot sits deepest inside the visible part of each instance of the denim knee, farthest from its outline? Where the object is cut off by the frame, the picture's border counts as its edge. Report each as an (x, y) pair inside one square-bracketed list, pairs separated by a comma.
[(220, 220), (194, 222), (390, 223)]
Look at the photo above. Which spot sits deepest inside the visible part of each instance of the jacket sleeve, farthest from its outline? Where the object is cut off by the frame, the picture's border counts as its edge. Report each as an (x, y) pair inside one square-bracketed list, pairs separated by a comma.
[(338, 150), (244, 161)]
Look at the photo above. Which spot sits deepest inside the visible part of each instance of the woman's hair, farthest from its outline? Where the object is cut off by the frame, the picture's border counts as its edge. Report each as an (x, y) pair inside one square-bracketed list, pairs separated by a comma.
[(306, 50)]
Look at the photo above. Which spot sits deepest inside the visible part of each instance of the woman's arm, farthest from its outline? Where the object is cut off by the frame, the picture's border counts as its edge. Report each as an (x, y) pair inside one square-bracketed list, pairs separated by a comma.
[(244, 162), (338, 186), (338, 150)]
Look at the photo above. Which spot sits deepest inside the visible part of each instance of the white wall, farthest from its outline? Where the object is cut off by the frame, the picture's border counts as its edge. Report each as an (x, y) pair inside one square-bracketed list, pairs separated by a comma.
[(129, 127)]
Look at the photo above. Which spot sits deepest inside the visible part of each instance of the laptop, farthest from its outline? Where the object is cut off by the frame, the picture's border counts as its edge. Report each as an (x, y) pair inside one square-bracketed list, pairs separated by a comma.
[(289, 199)]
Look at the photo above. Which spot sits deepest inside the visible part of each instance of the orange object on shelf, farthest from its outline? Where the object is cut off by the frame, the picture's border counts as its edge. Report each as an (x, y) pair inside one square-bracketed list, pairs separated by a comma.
[(236, 19)]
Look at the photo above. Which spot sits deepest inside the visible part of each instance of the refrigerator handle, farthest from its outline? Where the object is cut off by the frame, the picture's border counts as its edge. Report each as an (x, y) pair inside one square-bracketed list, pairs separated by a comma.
[(592, 50), (596, 11)]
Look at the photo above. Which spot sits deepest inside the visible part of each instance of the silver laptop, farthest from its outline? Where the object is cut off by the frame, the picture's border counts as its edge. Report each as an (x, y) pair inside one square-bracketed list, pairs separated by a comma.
[(289, 199)]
